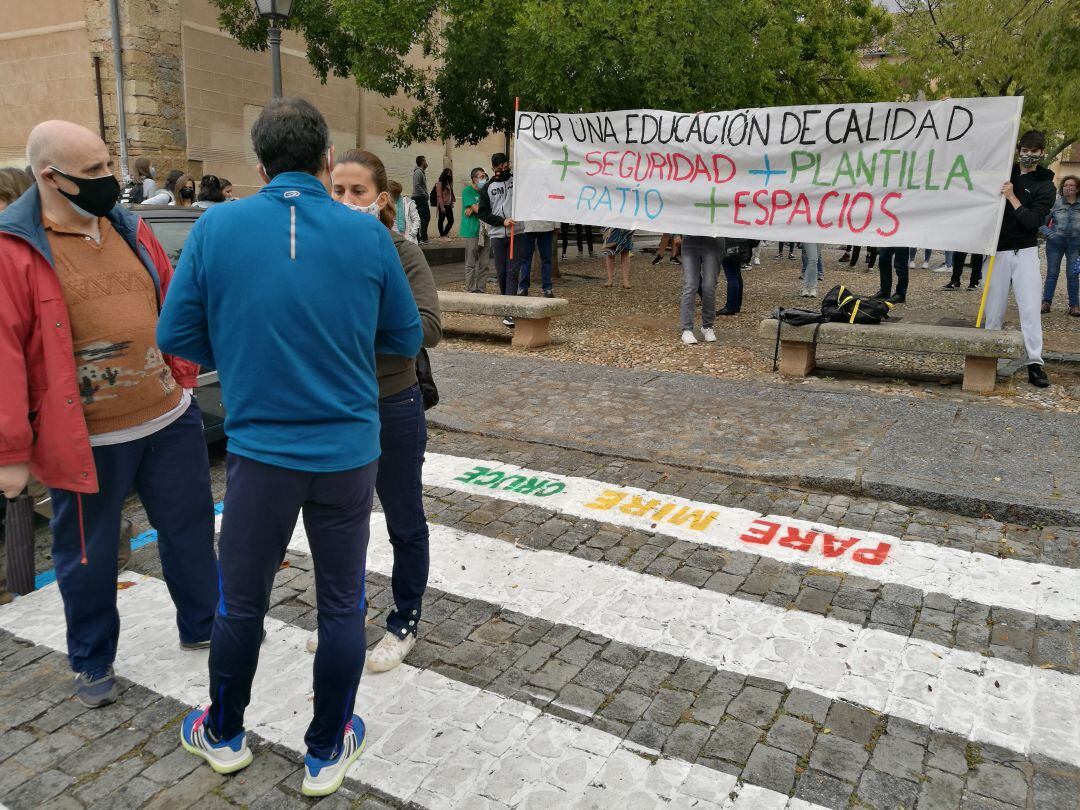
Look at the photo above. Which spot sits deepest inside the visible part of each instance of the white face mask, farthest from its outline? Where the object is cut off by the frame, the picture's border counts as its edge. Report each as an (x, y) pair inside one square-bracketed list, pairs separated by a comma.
[(372, 209)]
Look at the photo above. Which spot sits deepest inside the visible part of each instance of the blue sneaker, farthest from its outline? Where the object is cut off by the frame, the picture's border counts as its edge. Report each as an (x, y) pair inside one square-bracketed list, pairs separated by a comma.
[(323, 776), (226, 756), (94, 690)]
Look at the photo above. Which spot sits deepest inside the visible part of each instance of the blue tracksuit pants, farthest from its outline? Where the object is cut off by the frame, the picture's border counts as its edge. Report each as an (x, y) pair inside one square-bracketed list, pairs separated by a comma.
[(262, 503)]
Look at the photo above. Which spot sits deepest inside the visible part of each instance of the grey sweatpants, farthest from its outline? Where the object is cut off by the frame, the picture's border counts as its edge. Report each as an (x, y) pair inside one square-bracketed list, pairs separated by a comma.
[(477, 257), (1020, 270)]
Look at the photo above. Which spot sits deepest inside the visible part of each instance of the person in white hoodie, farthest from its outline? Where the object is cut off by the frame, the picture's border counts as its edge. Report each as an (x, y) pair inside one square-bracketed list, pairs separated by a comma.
[(407, 222)]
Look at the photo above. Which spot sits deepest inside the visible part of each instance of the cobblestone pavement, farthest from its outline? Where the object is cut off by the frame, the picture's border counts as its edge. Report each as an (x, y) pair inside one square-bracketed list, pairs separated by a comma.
[(539, 680), (966, 458)]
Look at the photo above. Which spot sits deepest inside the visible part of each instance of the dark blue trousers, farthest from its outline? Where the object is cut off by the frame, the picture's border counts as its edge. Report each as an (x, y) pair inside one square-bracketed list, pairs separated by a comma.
[(401, 493), (542, 241), (171, 473), (262, 503), (733, 276)]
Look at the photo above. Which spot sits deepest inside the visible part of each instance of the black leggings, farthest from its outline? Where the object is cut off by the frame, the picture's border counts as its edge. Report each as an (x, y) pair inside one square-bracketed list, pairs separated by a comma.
[(446, 221), (566, 234), (958, 260)]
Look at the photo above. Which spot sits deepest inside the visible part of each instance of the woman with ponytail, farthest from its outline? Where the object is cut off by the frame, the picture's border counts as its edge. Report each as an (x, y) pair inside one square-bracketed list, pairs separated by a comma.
[(359, 181)]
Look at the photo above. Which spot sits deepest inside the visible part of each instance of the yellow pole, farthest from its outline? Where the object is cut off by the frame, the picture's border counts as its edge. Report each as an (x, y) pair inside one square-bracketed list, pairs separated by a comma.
[(986, 289)]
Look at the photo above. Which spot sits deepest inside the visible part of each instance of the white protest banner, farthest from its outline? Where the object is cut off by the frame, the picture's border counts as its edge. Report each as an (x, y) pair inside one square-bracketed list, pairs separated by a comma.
[(921, 174)]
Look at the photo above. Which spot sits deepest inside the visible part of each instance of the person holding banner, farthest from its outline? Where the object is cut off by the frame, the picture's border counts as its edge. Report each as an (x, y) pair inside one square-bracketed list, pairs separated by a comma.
[(496, 207), (1029, 196)]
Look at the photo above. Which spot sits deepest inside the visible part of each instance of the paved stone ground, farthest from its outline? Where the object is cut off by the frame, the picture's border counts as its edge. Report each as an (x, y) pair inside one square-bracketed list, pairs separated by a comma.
[(964, 458), (792, 741)]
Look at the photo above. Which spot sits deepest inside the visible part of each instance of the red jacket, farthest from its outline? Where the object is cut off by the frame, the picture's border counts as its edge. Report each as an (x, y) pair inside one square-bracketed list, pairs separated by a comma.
[(41, 416)]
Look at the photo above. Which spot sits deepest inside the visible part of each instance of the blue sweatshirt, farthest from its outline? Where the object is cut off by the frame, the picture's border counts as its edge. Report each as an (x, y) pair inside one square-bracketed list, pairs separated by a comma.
[(290, 295)]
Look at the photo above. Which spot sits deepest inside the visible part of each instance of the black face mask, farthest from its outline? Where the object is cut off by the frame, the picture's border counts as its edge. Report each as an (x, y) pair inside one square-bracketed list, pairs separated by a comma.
[(187, 193), (96, 196)]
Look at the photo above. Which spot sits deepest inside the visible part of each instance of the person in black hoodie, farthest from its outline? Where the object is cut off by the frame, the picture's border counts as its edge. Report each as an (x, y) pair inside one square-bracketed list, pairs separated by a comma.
[(496, 209), (1030, 195)]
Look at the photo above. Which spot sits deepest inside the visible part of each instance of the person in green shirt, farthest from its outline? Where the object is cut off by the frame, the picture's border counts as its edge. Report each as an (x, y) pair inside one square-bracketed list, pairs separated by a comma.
[(477, 247)]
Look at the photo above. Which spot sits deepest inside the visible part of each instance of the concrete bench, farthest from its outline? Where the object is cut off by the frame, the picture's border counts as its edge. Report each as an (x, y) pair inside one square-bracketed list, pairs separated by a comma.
[(981, 348), (532, 315)]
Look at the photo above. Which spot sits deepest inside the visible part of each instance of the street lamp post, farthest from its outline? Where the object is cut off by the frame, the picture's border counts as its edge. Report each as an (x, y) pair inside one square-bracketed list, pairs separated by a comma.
[(276, 12)]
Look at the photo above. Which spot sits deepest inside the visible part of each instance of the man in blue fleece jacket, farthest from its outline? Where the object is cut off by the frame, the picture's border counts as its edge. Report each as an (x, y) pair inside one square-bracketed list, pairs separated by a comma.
[(290, 295)]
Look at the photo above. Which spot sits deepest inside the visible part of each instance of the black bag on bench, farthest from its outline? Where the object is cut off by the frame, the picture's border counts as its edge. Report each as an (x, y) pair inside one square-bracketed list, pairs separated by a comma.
[(840, 305)]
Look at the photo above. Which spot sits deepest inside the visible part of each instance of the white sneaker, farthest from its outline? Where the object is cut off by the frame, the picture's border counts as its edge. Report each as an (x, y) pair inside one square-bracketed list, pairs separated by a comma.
[(688, 337), (224, 756), (925, 265), (389, 652), (757, 260), (709, 335)]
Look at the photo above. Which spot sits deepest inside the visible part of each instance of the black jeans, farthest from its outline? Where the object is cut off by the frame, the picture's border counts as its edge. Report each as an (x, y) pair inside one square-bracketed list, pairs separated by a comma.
[(566, 234), (423, 209), (958, 268), (446, 220), (891, 258), (733, 276), (871, 255)]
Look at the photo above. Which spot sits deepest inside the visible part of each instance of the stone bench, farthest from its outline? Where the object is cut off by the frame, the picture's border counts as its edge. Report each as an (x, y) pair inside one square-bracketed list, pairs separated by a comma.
[(981, 348), (532, 315)]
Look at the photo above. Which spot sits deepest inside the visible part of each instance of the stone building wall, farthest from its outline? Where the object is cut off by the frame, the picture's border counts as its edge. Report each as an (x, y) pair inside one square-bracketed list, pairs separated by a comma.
[(190, 92), (153, 79)]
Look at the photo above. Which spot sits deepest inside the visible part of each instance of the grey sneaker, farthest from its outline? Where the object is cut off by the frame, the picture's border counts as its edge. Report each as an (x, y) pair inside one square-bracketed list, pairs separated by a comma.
[(96, 692)]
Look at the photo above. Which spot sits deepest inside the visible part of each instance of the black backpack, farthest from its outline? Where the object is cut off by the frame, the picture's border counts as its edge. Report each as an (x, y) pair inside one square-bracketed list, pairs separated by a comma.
[(133, 193), (840, 305)]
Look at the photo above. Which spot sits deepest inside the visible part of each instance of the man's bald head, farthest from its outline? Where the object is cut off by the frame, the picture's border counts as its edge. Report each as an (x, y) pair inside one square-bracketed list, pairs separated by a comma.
[(70, 147), (60, 152)]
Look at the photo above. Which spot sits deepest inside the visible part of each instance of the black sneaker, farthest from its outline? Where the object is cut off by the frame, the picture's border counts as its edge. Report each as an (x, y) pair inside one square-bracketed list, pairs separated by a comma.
[(725, 311), (508, 321), (952, 286), (523, 291), (658, 258), (1037, 376), (881, 294), (675, 260), (896, 299), (548, 294)]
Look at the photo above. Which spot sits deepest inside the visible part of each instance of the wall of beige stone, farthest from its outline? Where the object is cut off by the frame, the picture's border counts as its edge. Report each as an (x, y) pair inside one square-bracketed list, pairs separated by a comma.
[(190, 92), (44, 70)]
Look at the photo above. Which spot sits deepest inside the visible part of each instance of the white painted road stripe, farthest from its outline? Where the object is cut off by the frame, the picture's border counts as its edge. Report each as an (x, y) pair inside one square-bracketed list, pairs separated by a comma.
[(1044, 590), (1024, 709), (433, 741)]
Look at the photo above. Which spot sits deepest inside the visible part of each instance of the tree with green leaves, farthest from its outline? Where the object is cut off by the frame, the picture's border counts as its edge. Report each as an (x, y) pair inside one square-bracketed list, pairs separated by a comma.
[(961, 48), (463, 61)]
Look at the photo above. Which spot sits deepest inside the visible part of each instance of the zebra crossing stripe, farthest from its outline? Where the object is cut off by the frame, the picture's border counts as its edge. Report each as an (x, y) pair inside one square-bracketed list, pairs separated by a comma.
[(1036, 588), (1024, 709), (433, 741)]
